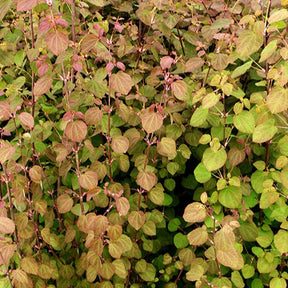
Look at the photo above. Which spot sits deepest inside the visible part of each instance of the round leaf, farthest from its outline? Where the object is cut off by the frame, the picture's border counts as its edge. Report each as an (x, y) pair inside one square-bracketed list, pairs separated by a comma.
[(76, 130), (146, 180), (195, 212), (88, 180), (230, 196), (197, 236), (64, 203), (26, 119), (7, 226), (136, 219), (244, 122), (151, 121), (214, 160), (121, 82), (120, 144), (264, 132), (57, 41)]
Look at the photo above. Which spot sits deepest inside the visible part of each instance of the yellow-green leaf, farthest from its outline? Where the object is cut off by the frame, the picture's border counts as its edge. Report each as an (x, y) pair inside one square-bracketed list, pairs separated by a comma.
[(195, 212), (277, 99), (121, 82), (214, 160)]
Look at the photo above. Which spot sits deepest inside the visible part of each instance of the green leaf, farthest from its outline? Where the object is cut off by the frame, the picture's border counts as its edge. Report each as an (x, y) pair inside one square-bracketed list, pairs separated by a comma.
[(202, 175), (195, 212), (199, 117), (136, 219), (4, 7), (121, 82), (281, 241), (255, 42), (174, 224), (265, 266), (248, 231), (214, 160), (241, 69), (277, 99), (167, 147), (230, 196), (156, 195), (149, 274), (141, 266), (195, 273), (264, 132), (210, 100), (248, 271), (29, 265), (237, 279), (180, 240), (149, 228), (268, 51), (279, 15), (278, 283)]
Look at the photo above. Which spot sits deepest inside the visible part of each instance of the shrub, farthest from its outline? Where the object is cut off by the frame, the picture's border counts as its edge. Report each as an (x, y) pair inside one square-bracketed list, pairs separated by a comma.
[(143, 143)]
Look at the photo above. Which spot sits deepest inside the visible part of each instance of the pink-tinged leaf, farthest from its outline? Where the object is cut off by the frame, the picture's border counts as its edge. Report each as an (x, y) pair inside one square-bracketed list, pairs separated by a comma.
[(88, 180), (122, 206), (179, 89), (146, 180), (35, 173), (43, 85), (93, 115), (76, 131), (6, 152), (30, 265), (25, 5), (57, 42), (26, 119), (77, 66), (193, 64), (120, 144), (5, 111), (118, 27), (43, 69), (88, 42), (121, 82), (61, 22), (151, 121), (64, 203), (166, 62), (277, 100), (7, 252), (62, 150), (20, 276), (7, 226), (44, 25), (109, 67), (136, 219), (120, 66)]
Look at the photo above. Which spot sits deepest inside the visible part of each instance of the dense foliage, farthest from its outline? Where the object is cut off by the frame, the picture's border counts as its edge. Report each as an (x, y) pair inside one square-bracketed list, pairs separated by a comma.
[(143, 143)]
